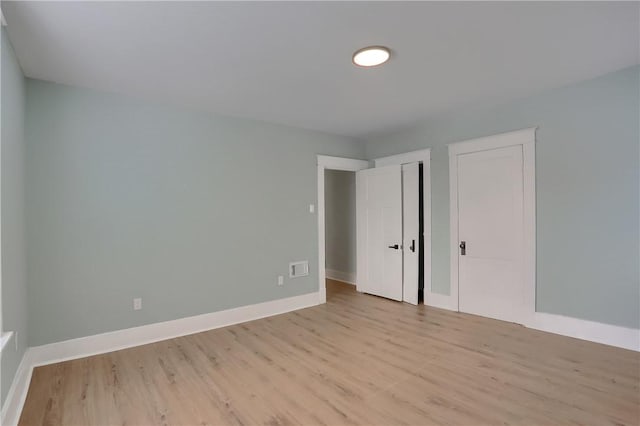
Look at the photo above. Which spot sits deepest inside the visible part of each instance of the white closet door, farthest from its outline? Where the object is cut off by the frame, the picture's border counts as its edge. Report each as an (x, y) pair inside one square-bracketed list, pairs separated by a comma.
[(379, 226), (411, 229), (490, 230)]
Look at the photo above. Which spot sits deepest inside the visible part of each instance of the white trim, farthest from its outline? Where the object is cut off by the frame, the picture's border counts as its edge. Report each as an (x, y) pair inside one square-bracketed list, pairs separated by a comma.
[(361, 241), (331, 163), (136, 336), (341, 163), (526, 138), (606, 334), (345, 277), (437, 300), (517, 137), (322, 285), (453, 231), (17, 394), (613, 335), (529, 223), (421, 156)]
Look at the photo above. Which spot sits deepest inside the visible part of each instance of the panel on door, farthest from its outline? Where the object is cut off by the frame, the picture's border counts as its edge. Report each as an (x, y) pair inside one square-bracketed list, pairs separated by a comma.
[(411, 231), (490, 230), (379, 228)]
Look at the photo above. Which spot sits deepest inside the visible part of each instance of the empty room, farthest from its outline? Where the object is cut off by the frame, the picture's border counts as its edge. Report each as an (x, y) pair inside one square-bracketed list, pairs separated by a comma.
[(320, 213)]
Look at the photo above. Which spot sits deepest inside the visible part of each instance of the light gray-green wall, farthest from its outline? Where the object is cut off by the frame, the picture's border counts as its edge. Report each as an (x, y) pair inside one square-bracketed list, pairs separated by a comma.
[(196, 213), (14, 284), (340, 221), (587, 161), (193, 213)]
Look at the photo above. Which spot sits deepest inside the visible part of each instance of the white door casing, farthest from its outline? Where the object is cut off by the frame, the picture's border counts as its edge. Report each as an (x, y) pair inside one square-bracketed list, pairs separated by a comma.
[(410, 231), (462, 271), (379, 231)]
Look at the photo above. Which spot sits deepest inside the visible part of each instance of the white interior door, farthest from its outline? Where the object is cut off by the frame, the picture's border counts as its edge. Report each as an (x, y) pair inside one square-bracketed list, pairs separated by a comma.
[(410, 229), (490, 231), (379, 231)]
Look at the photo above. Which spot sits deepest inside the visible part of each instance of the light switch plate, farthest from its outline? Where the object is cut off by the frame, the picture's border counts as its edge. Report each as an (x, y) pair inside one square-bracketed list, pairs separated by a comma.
[(312, 208)]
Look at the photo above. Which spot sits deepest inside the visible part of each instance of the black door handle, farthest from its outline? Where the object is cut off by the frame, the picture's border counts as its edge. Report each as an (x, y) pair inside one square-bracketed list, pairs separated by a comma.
[(395, 246), (413, 246), (463, 248)]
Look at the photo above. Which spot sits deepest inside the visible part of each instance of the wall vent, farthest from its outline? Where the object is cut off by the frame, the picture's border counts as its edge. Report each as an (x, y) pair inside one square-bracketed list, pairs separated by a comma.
[(299, 269)]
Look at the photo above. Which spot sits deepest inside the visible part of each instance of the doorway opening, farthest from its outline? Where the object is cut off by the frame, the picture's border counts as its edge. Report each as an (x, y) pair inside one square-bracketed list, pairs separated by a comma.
[(392, 225), (340, 225), (328, 164)]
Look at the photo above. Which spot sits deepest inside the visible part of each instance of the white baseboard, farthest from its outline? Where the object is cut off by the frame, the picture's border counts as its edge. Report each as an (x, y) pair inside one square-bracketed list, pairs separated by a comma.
[(107, 342), (17, 392), (613, 335), (437, 300), (136, 336), (344, 277)]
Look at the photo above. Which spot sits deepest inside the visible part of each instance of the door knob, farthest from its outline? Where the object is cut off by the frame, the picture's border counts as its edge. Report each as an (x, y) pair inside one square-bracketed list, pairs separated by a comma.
[(463, 248), (395, 246)]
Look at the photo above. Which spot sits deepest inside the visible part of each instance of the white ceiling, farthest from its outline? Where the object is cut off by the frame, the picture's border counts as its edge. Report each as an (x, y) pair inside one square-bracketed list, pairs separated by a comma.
[(290, 62)]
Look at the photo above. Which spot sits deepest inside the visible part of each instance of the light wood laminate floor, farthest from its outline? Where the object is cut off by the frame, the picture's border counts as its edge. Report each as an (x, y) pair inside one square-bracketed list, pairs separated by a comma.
[(358, 359)]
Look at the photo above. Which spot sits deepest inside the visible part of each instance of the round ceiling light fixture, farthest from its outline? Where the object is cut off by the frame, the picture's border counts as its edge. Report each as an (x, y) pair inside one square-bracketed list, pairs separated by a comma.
[(371, 56)]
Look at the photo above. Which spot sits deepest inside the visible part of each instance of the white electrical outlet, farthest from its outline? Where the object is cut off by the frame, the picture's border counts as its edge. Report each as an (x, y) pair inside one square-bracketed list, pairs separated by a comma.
[(137, 303), (280, 280), (312, 208)]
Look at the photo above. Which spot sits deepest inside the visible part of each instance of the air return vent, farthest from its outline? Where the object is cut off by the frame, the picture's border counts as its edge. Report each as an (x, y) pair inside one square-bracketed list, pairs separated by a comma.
[(299, 269)]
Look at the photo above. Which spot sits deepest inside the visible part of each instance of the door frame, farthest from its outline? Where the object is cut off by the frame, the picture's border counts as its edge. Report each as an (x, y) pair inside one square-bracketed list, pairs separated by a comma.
[(526, 138), (326, 162), (421, 156)]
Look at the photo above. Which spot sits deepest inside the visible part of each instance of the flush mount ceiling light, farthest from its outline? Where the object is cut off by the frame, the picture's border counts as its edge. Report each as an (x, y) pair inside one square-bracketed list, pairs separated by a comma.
[(371, 56)]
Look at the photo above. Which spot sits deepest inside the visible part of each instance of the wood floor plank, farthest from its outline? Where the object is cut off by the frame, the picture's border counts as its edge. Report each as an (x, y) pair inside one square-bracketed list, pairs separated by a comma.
[(357, 360)]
